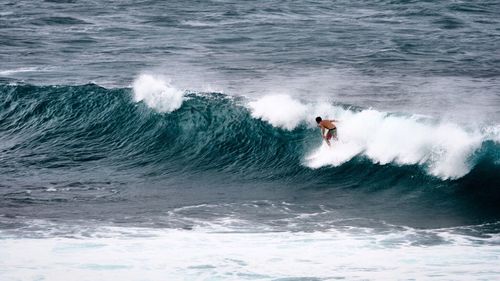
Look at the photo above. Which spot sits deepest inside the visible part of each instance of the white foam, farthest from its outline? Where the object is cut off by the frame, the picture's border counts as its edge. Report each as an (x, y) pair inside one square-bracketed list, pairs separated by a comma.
[(155, 254), (8, 72), (493, 133), (442, 148), (279, 110), (156, 92)]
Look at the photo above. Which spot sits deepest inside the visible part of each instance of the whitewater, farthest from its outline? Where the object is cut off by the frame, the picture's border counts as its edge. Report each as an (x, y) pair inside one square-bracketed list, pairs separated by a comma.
[(151, 254)]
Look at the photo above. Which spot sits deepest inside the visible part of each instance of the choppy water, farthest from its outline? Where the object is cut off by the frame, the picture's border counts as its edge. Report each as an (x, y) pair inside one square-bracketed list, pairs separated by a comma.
[(176, 140)]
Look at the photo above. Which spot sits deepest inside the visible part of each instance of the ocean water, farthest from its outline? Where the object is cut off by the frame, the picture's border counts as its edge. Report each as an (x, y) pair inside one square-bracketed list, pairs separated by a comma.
[(175, 140)]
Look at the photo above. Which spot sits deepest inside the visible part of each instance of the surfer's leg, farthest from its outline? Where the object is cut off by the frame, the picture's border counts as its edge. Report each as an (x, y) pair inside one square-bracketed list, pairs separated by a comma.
[(328, 137)]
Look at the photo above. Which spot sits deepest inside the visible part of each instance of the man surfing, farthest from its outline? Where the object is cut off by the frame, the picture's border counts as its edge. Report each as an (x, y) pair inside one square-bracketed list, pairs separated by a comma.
[(328, 129)]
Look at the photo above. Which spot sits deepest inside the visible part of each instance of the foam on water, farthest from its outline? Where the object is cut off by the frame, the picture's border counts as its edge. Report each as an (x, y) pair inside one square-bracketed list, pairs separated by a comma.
[(8, 72), (157, 93), (279, 110), (115, 253), (445, 149), (493, 133)]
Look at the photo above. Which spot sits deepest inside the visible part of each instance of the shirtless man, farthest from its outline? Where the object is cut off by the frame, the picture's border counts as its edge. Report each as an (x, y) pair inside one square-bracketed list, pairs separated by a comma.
[(328, 129)]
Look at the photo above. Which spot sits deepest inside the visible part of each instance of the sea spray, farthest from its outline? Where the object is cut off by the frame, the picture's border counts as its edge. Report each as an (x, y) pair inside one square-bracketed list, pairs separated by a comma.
[(157, 93), (279, 110)]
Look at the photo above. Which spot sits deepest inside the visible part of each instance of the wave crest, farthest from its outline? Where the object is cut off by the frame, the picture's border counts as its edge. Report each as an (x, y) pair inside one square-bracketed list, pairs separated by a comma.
[(157, 93)]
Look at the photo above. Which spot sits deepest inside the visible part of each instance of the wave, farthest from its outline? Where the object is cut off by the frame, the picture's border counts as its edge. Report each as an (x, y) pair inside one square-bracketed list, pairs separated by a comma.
[(443, 149), (161, 129)]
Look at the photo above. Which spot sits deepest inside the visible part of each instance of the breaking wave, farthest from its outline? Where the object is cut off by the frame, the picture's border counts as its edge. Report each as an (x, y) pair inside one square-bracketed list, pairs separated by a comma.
[(157, 126)]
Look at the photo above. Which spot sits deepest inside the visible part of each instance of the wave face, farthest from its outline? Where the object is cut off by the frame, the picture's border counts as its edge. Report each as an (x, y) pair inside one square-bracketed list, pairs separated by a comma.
[(91, 145), (272, 137)]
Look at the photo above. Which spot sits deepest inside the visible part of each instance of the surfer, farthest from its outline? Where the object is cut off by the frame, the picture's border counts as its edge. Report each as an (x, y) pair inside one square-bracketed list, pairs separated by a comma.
[(328, 129)]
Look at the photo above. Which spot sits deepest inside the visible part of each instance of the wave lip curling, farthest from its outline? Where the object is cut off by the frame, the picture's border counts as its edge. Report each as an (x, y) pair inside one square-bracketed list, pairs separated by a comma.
[(288, 114), (157, 93)]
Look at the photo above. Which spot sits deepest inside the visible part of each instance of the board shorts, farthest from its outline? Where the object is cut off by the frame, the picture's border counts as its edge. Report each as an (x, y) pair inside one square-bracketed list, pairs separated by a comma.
[(331, 133)]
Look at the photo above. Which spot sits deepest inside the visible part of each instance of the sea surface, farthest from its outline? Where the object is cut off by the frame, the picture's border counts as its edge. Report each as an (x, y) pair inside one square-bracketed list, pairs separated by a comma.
[(175, 140)]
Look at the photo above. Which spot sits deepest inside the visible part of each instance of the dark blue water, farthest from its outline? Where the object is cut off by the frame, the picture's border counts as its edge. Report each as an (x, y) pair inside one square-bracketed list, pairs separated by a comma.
[(438, 58), (188, 114)]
